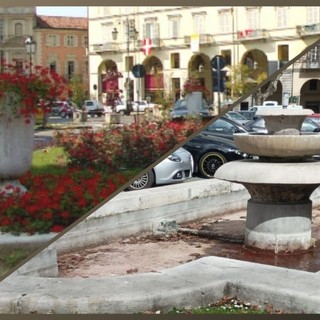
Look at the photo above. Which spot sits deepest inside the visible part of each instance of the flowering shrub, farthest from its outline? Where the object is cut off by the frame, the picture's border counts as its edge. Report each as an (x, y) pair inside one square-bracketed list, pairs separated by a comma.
[(26, 92), (194, 85), (53, 202), (132, 146)]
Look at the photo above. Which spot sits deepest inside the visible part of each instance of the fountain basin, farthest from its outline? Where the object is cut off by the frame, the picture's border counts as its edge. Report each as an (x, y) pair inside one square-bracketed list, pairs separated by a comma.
[(279, 212), (258, 172), (276, 120), (278, 146)]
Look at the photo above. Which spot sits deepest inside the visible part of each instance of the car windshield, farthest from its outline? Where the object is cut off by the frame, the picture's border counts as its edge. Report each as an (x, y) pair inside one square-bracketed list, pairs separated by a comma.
[(236, 116), (222, 126)]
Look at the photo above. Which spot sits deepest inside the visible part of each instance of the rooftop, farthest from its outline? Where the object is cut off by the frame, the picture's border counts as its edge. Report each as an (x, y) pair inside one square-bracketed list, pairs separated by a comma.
[(52, 22)]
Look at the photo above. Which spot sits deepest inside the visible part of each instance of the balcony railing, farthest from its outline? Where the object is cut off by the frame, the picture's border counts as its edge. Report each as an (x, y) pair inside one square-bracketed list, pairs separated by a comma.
[(108, 46), (311, 65), (204, 38), (252, 34), (308, 29)]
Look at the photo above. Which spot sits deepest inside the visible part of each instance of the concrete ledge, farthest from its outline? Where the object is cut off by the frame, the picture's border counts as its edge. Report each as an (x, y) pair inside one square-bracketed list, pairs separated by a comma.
[(137, 211), (193, 284)]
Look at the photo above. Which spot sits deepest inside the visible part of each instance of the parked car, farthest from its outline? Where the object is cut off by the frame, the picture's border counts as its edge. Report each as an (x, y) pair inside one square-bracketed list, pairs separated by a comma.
[(180, 109), (136, 106), (57, 106), (249, 115), (224, 127), (258, 125), (211, 152), (315, 117), (94, 108), (236, 116), (176, 168)]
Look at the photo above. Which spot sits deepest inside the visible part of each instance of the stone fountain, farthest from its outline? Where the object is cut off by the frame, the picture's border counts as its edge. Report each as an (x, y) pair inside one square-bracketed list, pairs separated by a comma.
[(280, 182)]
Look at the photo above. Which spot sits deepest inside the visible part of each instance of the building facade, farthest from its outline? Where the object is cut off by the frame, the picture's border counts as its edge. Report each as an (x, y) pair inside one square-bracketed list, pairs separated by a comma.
[(186, 41), (61, 43)]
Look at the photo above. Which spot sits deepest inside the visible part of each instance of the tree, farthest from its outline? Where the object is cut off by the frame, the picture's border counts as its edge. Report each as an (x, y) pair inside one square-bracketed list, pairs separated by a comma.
[(241, 81), (79, 93)]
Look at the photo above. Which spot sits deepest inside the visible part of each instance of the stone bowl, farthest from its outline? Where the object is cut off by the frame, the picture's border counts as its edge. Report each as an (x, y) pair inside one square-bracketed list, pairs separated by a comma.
[(278, 146)]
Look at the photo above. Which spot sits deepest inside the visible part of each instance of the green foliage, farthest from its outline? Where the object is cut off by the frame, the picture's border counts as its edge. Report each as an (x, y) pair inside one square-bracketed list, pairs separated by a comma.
[(79, 93), (242, 80)]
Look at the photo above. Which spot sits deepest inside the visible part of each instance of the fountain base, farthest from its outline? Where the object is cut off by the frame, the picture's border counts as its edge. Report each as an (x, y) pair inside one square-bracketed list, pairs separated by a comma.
[(279, 227)]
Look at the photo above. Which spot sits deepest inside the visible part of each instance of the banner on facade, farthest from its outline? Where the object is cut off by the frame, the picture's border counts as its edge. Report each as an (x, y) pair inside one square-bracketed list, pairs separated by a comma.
[(195, 43)]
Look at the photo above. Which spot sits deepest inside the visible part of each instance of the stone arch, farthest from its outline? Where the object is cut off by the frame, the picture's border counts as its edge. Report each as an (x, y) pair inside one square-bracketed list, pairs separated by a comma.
[(108, 82), (199, 66), (310, 95), (257, 61), (154, 78)]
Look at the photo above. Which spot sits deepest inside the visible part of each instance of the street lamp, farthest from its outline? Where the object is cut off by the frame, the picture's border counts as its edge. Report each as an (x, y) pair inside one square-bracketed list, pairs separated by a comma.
[(131, 34), (30, 45)]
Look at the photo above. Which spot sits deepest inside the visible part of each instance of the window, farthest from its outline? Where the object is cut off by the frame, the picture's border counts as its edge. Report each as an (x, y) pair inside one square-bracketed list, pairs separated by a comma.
[(175, 60), (283, 53), (52, 40), (199, 23), (18, 29), (1, 31), (85, 41), (53, 66), (313, 15), (106, 32), (225, 21), (129, 63), (226, 54), (70, 69), (174, 27), (253, 18), (151, 29), (71, 41), (282, 14)]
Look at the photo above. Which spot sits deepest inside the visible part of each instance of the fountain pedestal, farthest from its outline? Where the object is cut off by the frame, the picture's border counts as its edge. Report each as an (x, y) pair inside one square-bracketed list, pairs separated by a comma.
[(280, 183)]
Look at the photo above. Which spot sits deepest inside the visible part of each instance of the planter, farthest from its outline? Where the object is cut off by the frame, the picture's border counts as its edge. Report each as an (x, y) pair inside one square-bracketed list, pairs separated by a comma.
[(16, 148), (194, 102)]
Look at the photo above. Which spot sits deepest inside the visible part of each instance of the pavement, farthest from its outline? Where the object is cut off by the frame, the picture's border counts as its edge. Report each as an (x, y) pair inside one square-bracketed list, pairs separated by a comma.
[(192, 284)]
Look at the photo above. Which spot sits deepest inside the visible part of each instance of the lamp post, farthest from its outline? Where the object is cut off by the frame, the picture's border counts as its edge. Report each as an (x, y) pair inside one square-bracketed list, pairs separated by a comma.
[(30, 45), (131, 34)]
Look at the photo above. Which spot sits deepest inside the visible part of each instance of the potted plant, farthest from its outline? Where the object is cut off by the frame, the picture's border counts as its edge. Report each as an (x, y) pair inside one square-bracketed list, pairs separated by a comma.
[(193, 92), (22, 94)]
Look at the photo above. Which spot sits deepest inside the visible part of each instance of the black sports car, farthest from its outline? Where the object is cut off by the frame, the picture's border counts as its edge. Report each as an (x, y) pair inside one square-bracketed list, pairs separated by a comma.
[(211, 152)]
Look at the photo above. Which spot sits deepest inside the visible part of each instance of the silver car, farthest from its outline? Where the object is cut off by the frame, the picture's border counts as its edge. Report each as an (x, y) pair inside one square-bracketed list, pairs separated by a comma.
[(176, 168)]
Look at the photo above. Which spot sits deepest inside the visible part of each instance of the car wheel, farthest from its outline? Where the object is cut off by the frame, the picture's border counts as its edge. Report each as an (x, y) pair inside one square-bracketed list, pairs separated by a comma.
[(122, 113), (145, 181), (63, 114), (209, 163)]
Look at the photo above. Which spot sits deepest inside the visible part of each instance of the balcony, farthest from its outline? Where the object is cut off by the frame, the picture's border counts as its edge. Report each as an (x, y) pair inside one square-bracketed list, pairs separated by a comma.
[(103, 47), (311, 65), (308, 29), (252, 34), (204, 38)]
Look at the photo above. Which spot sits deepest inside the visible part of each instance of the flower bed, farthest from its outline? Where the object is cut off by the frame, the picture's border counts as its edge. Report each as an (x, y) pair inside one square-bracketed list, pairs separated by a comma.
[(94, 171)]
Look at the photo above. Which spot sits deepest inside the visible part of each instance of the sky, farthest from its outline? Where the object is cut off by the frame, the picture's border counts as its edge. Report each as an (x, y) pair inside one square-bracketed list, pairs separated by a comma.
[(62, 11)]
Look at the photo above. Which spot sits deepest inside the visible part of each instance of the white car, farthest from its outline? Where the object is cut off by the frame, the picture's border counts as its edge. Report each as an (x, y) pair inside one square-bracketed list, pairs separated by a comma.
[(176, 168), (136, 106)]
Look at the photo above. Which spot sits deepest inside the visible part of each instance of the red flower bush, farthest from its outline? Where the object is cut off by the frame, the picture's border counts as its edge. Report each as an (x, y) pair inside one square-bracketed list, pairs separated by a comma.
[(132, 146), (27, 92), (53, 202)]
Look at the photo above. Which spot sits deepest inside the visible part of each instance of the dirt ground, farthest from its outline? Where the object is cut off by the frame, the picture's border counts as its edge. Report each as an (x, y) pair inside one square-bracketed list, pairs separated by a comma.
[(149, 252)]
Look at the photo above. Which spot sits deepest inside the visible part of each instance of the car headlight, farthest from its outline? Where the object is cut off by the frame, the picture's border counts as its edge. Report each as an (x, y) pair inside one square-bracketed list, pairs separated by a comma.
[(240, 153), (174, 157)]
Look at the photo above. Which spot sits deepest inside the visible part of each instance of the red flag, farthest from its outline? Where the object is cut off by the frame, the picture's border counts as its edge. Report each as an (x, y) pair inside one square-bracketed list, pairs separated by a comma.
[(147, 45)]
